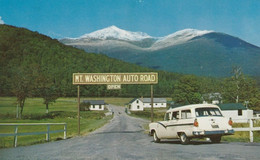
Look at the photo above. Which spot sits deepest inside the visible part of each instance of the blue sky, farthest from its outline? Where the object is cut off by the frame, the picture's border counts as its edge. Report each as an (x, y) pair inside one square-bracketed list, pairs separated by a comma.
[(73, 18)]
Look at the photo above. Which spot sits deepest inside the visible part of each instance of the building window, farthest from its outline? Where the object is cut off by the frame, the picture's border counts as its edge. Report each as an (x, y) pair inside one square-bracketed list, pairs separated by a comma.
[(240, 112), (100, 106), (137, 101), (138, 107), (93, 106)]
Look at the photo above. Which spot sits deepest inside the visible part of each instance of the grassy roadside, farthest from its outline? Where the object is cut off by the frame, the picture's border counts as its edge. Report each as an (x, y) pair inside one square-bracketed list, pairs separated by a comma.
[(146, 114), (64, 110), (243, 136)]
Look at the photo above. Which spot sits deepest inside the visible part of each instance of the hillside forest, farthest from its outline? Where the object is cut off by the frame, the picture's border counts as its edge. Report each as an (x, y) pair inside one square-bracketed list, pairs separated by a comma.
[(34, 65)]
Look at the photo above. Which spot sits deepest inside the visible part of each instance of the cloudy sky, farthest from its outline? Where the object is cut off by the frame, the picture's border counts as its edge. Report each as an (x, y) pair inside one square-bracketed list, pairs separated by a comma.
[(73, 18)]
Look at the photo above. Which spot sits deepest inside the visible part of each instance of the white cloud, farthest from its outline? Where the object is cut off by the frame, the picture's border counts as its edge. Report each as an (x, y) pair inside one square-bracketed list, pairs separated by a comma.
[(1, 21)]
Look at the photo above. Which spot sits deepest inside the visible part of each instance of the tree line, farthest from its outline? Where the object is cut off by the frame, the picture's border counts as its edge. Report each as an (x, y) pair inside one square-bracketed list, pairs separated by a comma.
[(238, 88)]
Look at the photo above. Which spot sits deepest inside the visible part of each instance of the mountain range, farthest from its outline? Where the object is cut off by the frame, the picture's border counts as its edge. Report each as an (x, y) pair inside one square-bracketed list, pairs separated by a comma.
[(189, 51)]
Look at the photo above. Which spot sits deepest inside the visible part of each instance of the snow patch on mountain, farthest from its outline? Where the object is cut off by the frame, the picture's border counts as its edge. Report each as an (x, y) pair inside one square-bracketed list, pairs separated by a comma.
[(116, 33), (178, 38)]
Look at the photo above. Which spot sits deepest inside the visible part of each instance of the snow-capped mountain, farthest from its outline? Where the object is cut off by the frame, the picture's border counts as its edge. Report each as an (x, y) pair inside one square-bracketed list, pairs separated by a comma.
[(115, 38), (187, 51), (116, 33)]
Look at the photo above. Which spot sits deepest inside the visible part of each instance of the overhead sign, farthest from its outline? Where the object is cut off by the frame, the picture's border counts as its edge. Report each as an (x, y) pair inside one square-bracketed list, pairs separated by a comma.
[(115, 78)]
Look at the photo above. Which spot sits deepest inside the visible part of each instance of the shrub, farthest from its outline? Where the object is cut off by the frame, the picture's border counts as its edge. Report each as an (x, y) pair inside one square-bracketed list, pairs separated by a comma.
[(84, 106)]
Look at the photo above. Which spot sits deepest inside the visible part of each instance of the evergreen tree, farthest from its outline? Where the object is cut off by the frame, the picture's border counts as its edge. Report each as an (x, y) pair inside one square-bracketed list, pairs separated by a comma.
[(186, 90)]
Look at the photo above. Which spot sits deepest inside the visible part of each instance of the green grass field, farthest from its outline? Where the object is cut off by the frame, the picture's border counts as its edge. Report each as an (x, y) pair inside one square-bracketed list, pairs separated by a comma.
[(63, 110)]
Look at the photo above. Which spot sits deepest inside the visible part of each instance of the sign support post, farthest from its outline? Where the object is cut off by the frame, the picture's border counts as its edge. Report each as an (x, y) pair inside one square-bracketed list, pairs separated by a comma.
[(78, 111), (151, 103)]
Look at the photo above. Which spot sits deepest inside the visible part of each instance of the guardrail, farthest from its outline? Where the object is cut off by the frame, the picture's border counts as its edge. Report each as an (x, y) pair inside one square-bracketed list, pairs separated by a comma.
[(48, 132), (250, 129)]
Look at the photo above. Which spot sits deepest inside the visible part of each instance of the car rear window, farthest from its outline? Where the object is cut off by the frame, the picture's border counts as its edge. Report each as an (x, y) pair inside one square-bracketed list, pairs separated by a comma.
[(202, 112)]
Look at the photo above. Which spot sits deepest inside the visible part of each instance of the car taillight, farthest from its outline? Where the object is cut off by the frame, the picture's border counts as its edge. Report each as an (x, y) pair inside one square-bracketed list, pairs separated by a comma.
[(196, 123), (230, 122)]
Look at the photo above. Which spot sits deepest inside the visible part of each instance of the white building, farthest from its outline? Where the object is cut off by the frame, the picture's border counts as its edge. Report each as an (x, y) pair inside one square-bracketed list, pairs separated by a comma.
[(139, 104), (238, 112), (96, 105)]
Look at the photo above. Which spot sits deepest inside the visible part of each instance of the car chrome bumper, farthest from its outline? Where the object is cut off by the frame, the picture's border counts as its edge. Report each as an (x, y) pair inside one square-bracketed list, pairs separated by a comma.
[(220, 132)]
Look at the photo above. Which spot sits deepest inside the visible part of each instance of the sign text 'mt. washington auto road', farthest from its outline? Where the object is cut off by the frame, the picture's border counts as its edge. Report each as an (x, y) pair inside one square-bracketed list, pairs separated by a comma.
[(115, 78)]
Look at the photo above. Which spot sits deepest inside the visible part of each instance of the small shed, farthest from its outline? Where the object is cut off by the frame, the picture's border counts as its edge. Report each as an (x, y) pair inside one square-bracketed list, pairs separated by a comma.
[(237, 111), (96, 105)]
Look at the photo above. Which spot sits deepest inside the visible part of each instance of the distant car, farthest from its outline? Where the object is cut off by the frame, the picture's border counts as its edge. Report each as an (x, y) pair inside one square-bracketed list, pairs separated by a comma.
[(192, 121)]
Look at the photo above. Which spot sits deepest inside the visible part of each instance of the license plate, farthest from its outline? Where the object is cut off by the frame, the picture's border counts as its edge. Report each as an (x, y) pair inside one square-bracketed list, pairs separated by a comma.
[(214, 126)]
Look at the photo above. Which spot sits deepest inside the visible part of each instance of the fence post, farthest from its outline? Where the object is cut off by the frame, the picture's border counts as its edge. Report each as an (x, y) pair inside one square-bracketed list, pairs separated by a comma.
[(15, 135), (48, 134), (251, 134), (65, 131)]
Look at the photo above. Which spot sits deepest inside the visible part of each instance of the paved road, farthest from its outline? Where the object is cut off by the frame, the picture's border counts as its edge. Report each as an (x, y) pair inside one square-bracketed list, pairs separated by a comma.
[(124, 138)]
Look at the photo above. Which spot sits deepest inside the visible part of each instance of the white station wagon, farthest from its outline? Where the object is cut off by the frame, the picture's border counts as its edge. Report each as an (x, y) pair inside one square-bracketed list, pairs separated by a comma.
[(192, 121)]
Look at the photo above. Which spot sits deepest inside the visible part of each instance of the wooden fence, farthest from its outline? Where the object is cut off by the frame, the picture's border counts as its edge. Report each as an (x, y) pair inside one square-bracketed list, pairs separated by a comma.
[(251, 128), (47, 132)]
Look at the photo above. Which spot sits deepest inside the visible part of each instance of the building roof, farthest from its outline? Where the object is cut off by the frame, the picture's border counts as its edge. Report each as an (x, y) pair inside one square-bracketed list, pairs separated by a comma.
[(95, 102), (155, 100), (133, 100), (231, 106)]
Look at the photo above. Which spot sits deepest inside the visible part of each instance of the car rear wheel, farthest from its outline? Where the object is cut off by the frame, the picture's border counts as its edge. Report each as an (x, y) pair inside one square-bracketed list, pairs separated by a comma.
[(184, 139), (155, 138), (215, 139)]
